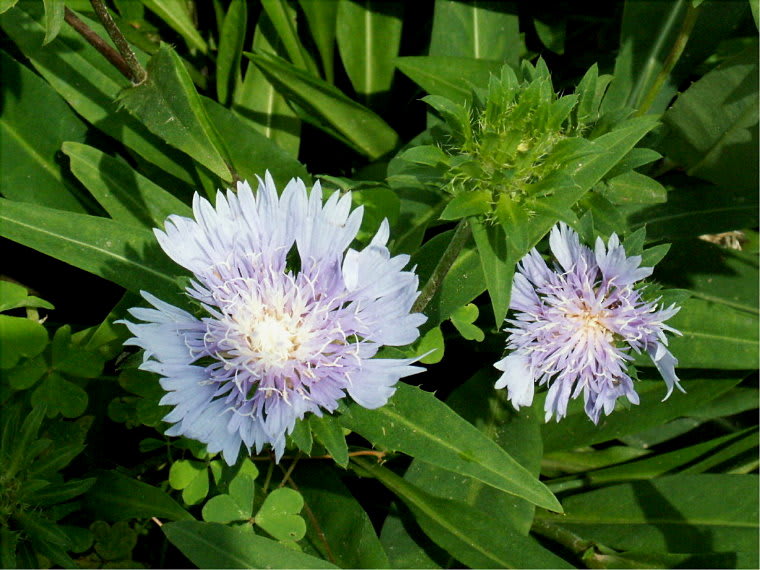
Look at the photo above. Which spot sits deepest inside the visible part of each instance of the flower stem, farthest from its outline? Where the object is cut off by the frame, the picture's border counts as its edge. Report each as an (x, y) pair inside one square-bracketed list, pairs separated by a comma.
[(670, 61), (460, 237), (136, 72), (113, 56)]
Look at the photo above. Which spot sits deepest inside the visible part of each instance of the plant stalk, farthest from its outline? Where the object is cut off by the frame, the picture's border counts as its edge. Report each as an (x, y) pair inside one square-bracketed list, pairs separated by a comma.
[(460, 237), (113, 56), (137, 73), (670, 61)]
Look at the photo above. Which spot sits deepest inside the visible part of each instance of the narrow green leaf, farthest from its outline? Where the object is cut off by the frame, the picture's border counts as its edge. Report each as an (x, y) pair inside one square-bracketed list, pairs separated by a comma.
[(714, 125), (419, 424), (124, 193), (59, 492), (321, 17), (467, 204), (329, 432), (8, 541), (16, 455), (54, 11), (123, 254), (369, 37), (682, 513), (449, 77), (498, 265), (176, 15), (6, 5), (576, 430), (33, 124), (168, 104), (230, 49), (359, 126), (116, 497), (211, 545), (285, 26), (635, 188), (462, 530), (83, 77)]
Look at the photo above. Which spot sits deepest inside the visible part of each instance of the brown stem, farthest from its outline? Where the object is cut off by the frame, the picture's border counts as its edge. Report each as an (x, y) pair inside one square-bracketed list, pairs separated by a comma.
[(136, 72), (460, 237), (98, 43), (379, 454), (292, 466)]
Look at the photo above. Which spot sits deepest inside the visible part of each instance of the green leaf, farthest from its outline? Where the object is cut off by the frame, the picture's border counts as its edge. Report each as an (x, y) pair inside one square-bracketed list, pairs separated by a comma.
[(15, 454), (356, 124), (683, 513), (59, 492), (211, 545), (60, 396), (65, 62), (635, 188), (168, 104), (20, 337), (284, 24), (489, 31), (54, 12), (576, 430), (6, 5), (498, 265), (463, 319), (279, 516), (117, 497), (113, 542), (14, 296), (125, 194), (431, 342), (230, 49), (343, 524), (462, 530), (714, 125), (632, 559), (26, 374), (224, 509), (124, 254), (328, 431), (176, 15), (321, 18), (8, 541), (551, 34), (33, 124), (417, 423), (728, 341), (449, 77), (369, 37), (467, 204)]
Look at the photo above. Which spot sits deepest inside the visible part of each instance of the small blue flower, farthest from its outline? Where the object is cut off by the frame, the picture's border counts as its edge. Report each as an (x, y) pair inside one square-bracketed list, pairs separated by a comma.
[(575, 324), (293, 317)]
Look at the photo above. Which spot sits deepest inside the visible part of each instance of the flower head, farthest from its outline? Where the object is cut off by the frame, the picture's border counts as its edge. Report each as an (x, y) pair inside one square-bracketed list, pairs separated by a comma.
[(575, 325), (292, 316)]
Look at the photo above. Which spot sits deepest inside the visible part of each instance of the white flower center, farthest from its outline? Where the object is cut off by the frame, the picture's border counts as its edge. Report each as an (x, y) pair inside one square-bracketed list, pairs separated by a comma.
[(274, 340)]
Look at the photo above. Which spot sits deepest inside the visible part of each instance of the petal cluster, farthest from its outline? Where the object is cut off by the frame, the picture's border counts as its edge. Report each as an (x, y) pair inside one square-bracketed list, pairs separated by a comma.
[(291, 316), (576, 323)]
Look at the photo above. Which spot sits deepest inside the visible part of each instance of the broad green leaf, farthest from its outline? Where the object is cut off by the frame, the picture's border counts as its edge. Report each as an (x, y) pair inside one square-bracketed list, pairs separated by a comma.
[(714, 125), (320, 16), (224, 509), (498, 265), (116, 497), (284, 24), (177, 16), (486, 30), (279, 515), (695, 208), (20, 338), (231, 40), (467, 204), (34, 122), (551, 33), (124, 193), (54, 12), (168, 104), (635, 188), (714, 336), (251, 153), (432, 343), (356, 124), (344, 526), (211, 545), (60, 396), (83, 77), (183, 471), (462, 530), (369, 37), (6, 5), (328, 431), (113, 542), (123, 254), (259, 103), (577, 430), (417, 423), (682, 513), (449, 77), (13, 296), (648, 559)]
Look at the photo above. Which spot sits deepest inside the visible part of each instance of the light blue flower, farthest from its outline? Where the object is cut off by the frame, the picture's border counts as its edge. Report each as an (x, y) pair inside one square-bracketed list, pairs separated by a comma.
[(292, 317), (576, 323)]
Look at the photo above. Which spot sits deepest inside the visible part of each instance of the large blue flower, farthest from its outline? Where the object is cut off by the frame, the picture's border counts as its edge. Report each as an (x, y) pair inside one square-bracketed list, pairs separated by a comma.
[(575, 325), (293, 317)]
